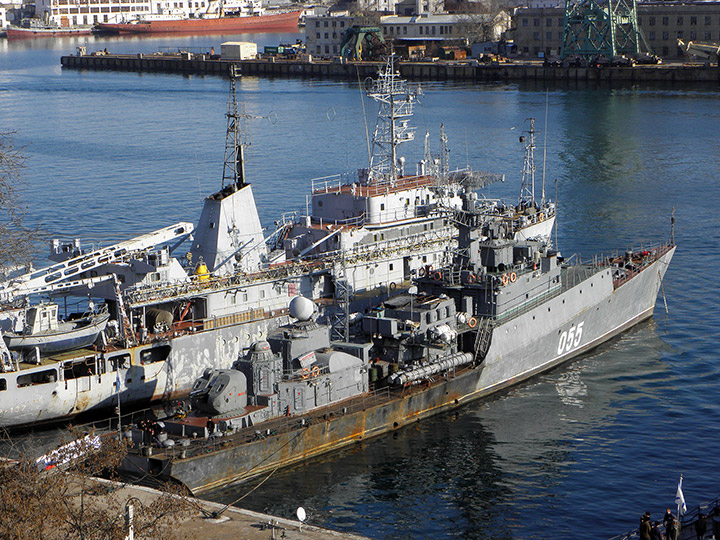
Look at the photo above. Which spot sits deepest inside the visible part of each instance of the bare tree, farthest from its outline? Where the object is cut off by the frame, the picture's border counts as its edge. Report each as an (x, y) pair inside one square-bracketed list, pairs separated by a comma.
[(60, 497), (16, 240), (475, 27)]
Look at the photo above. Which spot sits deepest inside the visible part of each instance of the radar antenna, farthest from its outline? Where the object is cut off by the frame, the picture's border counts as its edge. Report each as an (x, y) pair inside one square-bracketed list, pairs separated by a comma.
[(396, 107), (236, 137), (234, 167), (527, 189)]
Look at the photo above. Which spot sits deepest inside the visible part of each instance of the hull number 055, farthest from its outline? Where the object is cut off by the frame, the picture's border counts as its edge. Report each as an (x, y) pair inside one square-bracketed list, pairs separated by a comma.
[(571, 339)]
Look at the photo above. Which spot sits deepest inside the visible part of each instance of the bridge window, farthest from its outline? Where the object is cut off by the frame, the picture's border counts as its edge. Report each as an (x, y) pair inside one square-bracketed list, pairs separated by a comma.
[(155, 354), (121, 361), (40, 377), (3, 385)]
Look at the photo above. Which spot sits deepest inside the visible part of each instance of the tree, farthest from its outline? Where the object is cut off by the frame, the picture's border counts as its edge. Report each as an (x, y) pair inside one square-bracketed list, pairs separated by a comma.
[(61, 498), (475, 27), (16, 240)]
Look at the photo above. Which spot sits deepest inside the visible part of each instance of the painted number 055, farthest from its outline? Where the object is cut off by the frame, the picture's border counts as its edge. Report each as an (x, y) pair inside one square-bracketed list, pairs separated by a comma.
[(570, 339)]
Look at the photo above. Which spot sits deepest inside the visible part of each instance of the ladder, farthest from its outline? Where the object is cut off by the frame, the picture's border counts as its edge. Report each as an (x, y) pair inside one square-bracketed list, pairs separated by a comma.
[(483, 337)]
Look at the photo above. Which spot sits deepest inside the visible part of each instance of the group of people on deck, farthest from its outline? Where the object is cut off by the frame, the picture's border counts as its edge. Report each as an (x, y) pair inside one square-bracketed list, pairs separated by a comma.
[(650, 530)]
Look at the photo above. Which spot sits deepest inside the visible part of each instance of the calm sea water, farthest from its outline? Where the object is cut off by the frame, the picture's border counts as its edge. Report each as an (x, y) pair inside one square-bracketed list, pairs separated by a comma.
[(580, 452)]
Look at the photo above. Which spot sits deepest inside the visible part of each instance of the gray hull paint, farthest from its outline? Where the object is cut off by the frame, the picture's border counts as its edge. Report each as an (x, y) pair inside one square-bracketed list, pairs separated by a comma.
[(189, 356), (521, 348)]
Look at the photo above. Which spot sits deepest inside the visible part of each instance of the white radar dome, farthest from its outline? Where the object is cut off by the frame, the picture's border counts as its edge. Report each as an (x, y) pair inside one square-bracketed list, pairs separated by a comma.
[(302, 308)]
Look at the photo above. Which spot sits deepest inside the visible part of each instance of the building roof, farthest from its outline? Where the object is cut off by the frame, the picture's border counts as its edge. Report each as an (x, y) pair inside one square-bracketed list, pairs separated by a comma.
[(426, 19)]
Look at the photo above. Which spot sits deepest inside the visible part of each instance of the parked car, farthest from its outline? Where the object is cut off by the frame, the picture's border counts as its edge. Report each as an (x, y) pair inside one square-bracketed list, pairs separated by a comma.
[(622, 61), (647, 58)]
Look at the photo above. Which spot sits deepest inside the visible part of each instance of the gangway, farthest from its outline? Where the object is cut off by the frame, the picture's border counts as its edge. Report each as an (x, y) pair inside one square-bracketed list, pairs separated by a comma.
[(40, 280)]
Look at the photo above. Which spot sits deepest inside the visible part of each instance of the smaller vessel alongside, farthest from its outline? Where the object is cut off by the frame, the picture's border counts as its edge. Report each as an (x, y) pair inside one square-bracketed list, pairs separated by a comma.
[(44, 332), (35, 28)]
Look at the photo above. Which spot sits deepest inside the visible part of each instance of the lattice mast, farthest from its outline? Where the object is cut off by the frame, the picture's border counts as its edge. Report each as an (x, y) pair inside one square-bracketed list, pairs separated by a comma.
[(601, 27), (527, 188), (391, 129), (234, 167)]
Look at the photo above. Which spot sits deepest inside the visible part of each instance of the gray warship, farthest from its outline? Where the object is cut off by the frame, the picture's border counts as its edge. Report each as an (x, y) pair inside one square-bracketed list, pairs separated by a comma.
[(503, 310), (189, 297)]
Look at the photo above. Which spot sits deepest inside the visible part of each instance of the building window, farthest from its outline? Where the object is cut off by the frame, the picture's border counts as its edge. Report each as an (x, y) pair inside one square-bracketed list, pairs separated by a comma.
[(652, 35), (680, 34), (548, 35), (326, 35), (707, 20), (693, 20), (334, 35), (342, 24), (334, 49), (326, 24), (651, 21), (707, 36), (524, 22), (318, 49), (548, 22), (561, 22), (433, 30), (317, 35), (693, 34), (327, 49), (560, 38), (666, 35), (334, 24), (536, 36), (536, 22), (666, 21), (420, 27), (442, 30), (679, 21), (317, 24), (405, 30)]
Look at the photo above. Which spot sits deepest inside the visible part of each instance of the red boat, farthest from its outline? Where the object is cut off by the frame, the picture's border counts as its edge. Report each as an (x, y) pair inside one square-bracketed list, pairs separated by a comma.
[(277, 22), (16, 32)]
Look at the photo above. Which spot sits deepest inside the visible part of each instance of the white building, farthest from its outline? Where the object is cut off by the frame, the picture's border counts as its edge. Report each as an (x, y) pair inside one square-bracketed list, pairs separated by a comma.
[(88, 12), (431, 27)]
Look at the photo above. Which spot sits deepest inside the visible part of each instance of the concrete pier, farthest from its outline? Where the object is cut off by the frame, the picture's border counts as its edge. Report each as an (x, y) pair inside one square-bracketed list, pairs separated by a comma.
[(204, 64), (232, 523)]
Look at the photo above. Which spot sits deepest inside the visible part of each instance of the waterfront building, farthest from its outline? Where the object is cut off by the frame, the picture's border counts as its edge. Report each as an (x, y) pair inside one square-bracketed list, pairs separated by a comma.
[(324, 35), (72, 13), (539, 30)]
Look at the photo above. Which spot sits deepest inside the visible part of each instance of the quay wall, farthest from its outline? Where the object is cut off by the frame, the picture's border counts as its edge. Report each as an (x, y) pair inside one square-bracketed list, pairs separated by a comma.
[(205, 65)]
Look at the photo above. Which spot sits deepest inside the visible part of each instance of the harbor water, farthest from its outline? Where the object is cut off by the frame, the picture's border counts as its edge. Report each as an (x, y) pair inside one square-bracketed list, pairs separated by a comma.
[(580, 452)]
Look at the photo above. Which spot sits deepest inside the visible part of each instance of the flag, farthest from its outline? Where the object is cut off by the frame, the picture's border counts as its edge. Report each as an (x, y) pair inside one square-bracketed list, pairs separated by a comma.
[(679, 498)]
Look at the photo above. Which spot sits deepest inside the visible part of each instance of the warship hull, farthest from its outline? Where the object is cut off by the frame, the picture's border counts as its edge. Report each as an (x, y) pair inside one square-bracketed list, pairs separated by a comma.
[(589, 311)]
